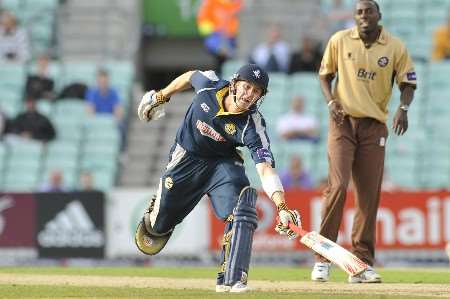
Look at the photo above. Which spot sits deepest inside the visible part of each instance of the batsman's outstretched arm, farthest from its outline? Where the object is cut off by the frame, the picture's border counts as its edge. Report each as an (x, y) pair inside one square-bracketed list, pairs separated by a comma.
[(274, 189), (180, 83), (152, 103)]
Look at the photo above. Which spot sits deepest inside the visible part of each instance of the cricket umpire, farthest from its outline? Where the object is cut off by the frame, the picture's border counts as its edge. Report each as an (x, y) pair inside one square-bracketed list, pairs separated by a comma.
[(365, 60), (204, 160)]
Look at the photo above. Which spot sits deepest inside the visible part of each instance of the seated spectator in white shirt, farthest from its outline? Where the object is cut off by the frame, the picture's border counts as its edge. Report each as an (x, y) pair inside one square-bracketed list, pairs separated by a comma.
[(14, 44), (273, 55), (296, 125)]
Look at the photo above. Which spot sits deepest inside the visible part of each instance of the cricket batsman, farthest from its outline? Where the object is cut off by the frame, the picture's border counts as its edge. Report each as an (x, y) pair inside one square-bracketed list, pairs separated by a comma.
[(204, 160)]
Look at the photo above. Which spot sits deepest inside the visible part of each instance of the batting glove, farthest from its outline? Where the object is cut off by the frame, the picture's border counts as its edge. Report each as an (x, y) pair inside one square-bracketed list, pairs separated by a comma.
[(286, 216), (152, 106)]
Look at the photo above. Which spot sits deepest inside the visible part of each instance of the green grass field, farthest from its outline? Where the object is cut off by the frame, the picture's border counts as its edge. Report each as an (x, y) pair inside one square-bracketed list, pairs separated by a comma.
[(192, 282)]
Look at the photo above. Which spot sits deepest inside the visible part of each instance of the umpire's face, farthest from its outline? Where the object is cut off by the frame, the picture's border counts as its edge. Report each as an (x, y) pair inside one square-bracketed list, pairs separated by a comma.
[(366, 16), (247, 93)]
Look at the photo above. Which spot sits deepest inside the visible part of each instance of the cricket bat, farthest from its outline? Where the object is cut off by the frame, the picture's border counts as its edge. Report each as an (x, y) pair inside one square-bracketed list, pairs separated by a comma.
[(330, 250)]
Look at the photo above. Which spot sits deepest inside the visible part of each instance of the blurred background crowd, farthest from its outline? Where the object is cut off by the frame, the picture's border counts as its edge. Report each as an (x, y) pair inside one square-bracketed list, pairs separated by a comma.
[(72, 72)]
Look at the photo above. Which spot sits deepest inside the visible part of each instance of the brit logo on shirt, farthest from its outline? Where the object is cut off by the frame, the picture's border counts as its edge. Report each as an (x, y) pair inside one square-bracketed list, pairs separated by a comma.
[(411, 76)]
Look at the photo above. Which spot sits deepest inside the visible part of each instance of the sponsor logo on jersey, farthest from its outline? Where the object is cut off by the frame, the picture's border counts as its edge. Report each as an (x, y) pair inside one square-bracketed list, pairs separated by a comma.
[(205, 107), (230, 128), (168, 183), (383, 61), (365, 75), (71, 227), (208, 131), (411, 76)]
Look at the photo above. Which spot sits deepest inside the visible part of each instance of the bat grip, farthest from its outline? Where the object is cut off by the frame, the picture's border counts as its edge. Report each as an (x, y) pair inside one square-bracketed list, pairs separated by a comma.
[(297, 229)]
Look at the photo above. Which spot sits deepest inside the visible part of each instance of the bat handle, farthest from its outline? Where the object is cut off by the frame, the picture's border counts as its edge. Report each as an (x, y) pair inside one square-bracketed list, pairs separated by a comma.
[(297, 229)]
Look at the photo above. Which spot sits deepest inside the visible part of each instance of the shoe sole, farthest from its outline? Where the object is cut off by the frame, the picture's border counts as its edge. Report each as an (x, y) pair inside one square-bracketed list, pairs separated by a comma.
[(239, 290), (319, 280), (366, 281), (222, 289)]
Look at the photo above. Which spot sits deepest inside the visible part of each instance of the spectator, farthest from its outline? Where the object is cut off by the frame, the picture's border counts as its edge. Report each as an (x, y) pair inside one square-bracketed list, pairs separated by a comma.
[(217, 20), (55, 183), (340, 16), (86, 181), (441, 41), (103, 98), (274, 54), (296, 176), (32, 124), (14, 44), (296, 125), (307, 58), (40, 85)]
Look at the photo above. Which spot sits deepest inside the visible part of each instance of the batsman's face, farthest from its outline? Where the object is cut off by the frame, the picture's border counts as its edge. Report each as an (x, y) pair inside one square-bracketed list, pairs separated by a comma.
[(247, 94)]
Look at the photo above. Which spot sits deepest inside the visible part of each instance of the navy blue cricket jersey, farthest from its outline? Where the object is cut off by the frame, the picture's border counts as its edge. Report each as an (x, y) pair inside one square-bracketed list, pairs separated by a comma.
[(209, 131)]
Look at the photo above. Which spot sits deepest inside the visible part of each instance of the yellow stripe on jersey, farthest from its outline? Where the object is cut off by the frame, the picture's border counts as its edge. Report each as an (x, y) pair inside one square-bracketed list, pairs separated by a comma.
[(220, 97)]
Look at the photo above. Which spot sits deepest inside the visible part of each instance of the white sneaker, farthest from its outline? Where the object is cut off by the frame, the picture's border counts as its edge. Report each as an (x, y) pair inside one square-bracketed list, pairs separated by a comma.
[(221, 288), (321, 272), (368, 276), (239, 287)]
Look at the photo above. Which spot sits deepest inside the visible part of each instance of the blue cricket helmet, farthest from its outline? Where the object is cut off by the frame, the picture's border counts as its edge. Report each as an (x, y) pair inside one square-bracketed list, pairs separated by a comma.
[(253, 73)]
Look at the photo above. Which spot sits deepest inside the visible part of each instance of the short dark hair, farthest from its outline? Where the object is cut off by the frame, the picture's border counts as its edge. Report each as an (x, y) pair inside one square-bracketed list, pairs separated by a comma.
[(102, 72), (374, 3)]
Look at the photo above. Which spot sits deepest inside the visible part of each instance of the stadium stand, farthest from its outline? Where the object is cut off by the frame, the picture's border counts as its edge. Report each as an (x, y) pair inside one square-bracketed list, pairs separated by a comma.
[(94, 143), (83, 142)]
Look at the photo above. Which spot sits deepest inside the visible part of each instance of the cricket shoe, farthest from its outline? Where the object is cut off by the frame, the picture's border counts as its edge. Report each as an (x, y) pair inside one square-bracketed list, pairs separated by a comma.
[(321, 272), (221, 288), (238, 287), (368, 276)]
